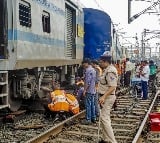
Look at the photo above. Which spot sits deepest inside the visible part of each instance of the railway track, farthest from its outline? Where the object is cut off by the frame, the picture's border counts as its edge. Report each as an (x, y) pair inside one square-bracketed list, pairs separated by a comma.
[(23, 129), (128, 121)]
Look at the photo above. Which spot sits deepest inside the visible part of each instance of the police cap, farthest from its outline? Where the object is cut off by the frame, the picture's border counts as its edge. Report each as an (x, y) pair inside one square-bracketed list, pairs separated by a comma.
[(106, 56)]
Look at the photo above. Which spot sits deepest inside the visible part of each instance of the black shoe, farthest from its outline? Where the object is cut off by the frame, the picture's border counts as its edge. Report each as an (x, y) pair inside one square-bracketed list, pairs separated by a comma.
[(56, 118), (86, 122), (93, 121), (97, 118)]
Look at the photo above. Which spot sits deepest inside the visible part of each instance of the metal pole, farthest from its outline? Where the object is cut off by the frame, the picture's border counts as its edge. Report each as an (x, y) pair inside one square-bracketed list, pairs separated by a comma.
[(144, 50), (137, 47), (144, 35), (116, 49), (131, 52), (159, 53), (129, 11), (142, 46)]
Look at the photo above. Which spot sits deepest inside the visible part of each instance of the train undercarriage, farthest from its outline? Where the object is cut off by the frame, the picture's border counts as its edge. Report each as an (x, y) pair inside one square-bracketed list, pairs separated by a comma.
[(23, 86)]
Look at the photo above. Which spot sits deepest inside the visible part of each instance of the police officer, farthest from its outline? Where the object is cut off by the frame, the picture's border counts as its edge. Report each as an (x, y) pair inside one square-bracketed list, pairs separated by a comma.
[(106, 88)]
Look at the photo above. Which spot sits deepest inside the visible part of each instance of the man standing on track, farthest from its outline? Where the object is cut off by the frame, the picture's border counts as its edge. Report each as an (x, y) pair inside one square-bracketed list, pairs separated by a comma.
[(127, 76), (119, 70), (145, 77), (89, 91), (96, 66), (106, 88)]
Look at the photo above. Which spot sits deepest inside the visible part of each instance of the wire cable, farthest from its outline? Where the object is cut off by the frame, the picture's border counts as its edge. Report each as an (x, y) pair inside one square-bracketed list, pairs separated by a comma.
[(97, 3)]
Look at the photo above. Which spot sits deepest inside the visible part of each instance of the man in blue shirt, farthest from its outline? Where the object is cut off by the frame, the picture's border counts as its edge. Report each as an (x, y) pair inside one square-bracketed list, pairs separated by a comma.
[(98, 70), (89, 91)]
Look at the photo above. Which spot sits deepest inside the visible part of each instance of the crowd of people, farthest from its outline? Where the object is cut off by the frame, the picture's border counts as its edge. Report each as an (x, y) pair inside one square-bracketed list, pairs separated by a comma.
[(95, 90), (143, 71), (100, 83)]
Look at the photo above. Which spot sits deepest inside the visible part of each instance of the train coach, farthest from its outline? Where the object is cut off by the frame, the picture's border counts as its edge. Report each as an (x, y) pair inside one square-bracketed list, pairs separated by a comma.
[(40, 41), (100, 35)]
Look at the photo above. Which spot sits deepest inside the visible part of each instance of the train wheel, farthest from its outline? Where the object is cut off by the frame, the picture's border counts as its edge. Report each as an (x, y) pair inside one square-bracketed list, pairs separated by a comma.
[(15, 103)]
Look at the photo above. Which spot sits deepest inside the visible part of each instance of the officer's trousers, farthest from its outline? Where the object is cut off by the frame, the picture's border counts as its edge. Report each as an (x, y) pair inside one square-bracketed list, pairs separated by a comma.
[(107, 130), (96, 105)]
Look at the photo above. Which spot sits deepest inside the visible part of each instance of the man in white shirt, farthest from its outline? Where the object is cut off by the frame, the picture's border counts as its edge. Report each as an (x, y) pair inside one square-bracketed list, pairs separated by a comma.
[(145, 77)]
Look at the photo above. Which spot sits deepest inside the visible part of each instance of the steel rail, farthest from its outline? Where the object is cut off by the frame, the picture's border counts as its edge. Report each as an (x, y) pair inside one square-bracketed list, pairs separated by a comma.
[(136, 138), (54, 130), (58, 128)]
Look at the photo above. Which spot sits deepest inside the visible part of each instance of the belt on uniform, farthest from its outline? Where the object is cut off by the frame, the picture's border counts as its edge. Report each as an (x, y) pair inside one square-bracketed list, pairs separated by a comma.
[(103, 94)]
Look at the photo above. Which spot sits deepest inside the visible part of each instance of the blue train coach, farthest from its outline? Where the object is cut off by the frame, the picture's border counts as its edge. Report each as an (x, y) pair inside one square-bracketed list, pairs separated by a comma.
[(98, 33)]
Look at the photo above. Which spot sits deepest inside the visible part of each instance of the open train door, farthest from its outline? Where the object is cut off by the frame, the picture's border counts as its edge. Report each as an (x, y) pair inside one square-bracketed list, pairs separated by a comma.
[(3, 29)]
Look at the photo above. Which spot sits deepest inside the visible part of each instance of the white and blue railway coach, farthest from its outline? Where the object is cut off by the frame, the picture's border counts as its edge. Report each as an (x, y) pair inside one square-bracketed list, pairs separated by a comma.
[(40, 41)]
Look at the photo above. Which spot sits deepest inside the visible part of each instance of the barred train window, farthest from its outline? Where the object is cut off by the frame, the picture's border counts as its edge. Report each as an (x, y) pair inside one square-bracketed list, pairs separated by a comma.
[(46, 22), (25, 14)]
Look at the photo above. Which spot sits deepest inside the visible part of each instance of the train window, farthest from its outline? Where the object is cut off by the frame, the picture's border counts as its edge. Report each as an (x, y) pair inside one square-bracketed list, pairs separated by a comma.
[(46, 22), (25, 14)]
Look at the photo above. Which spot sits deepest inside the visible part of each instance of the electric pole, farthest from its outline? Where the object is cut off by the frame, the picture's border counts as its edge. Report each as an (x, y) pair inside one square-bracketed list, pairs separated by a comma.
[(129, 11), (143, 44), (130, 19)]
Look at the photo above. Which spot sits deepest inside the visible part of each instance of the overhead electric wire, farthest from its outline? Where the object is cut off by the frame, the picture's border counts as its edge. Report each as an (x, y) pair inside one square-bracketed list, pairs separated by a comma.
[(80, 4), (154, 36), (96, 2), (98, 5), (127, 40)]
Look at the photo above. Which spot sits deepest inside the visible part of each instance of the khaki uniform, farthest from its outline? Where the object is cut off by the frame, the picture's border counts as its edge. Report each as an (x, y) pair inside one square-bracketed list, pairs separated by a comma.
[(109, 78)]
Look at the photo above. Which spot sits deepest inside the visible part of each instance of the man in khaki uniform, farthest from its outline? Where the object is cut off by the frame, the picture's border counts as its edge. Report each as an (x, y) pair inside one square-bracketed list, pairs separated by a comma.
[(106, 88)]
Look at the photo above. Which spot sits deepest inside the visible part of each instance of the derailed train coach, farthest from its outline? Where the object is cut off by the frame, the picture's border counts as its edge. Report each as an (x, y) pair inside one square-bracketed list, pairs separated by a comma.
[(100, 35), (41, 41)]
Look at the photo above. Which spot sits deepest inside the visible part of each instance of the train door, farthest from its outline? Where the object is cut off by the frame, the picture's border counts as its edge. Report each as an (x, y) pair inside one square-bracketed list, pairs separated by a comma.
[(70, 32), (3, 29)]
